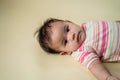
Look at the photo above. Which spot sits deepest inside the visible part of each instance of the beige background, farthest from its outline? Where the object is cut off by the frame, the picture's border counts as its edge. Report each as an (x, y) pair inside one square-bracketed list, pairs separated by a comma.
[(21, 58)]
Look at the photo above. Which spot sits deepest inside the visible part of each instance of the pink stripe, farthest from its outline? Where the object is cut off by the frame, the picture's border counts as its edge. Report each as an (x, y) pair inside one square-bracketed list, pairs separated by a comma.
[(84, 55), (107, 33), (83, 44), (82, 47), (83, 26), (103, 39)]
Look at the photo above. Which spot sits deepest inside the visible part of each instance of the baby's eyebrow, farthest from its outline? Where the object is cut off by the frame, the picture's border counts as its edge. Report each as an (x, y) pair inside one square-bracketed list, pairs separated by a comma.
[(64, 28)]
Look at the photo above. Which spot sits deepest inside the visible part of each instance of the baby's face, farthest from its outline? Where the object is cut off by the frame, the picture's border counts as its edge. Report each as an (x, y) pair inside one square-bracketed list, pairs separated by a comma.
[(66, 36)]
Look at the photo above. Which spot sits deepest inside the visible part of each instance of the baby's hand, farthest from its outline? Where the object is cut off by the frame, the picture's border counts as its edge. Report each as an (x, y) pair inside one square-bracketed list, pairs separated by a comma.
[(112, 78)]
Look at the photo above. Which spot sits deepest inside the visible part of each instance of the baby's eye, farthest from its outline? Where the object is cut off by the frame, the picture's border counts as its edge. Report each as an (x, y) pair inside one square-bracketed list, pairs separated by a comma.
[(65, 42), (67, 29)]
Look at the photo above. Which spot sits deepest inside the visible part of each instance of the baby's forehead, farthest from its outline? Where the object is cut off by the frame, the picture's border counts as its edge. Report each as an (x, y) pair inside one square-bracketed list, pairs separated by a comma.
[(57, 26), (56, 34), (57, 23)]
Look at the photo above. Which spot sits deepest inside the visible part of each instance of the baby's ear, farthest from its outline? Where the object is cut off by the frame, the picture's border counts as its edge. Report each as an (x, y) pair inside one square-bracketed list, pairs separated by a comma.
[(65, 53)]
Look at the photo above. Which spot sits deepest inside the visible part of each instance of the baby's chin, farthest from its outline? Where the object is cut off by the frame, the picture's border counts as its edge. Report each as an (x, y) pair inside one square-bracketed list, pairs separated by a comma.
[(76, 48)]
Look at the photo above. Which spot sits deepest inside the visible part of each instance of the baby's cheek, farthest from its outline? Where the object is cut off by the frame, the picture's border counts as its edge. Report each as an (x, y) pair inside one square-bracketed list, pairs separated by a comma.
[(74, 47)]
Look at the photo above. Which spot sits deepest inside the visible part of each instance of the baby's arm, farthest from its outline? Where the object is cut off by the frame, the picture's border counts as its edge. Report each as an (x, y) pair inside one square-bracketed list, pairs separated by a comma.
[(100, 72)]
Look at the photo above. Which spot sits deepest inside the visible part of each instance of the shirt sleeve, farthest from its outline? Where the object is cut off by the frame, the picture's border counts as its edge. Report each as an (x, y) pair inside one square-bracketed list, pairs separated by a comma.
[(86, 58)]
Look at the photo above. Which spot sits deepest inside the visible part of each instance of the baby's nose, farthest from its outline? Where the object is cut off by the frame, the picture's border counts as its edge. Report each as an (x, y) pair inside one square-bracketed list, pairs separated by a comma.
[(71, 36)]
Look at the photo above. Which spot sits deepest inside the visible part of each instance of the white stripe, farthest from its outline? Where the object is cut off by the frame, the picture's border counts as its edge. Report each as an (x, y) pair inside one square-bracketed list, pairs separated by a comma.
[(115, 32), (89, 33), (76, 54), (86, 58), (108, 44), (91, 61), (100, 37)]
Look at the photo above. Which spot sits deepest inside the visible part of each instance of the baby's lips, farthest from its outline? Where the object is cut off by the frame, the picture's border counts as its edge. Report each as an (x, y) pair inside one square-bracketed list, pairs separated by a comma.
[(78, 36)]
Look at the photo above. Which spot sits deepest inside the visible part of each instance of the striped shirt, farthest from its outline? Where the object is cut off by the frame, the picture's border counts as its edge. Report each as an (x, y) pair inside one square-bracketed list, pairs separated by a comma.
[(102, 42)]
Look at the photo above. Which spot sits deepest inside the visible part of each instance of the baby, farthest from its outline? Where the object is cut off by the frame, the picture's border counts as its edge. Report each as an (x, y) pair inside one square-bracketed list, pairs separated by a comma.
[(90, 43)]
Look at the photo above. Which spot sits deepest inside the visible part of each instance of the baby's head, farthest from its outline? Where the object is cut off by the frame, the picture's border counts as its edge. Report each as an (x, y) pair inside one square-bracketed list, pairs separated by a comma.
[(60, 37)]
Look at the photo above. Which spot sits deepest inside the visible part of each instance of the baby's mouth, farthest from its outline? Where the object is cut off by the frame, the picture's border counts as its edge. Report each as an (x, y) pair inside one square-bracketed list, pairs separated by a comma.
[(78, 36)]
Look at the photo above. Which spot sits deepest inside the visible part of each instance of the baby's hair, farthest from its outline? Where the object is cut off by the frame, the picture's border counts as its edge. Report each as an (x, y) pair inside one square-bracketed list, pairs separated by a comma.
[(44, 35)]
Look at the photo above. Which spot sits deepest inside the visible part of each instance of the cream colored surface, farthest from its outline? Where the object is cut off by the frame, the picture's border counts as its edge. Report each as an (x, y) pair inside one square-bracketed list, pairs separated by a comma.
[(21, 58)]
